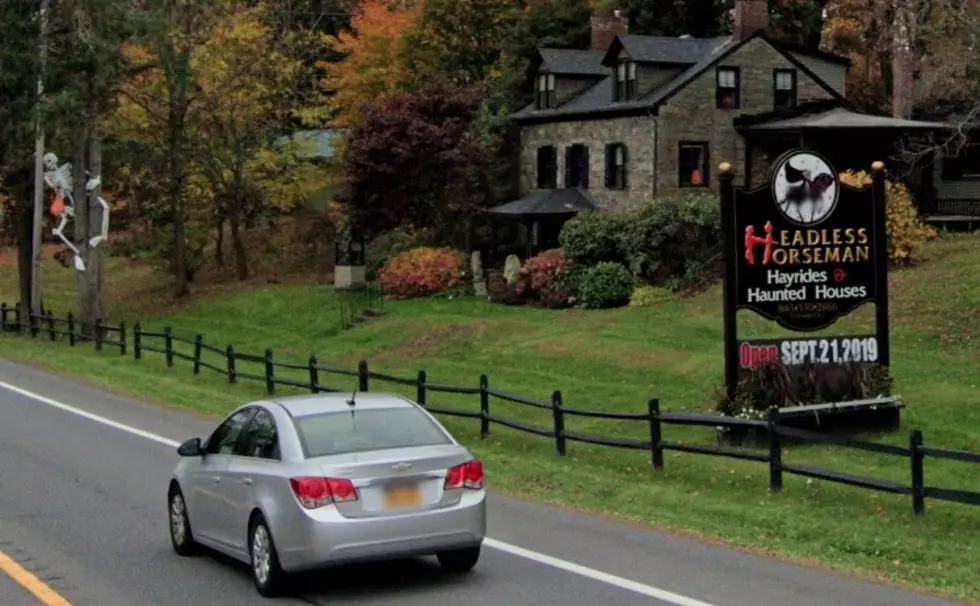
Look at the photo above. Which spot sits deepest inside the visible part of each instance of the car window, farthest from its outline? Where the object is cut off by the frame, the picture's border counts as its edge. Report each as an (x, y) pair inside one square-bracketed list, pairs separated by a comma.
[(260, 439), (371, 429), (222, 441)]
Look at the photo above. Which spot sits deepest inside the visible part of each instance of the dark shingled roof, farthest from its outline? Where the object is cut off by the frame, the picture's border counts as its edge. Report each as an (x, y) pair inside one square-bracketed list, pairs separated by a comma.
[(547, 202), (572, 62), (840, 117), (698, 53), (662, 49)]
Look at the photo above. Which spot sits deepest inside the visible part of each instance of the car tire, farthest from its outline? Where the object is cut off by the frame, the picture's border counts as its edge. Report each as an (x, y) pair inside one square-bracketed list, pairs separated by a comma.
[(268, 575), (180, 525), (459, 560)]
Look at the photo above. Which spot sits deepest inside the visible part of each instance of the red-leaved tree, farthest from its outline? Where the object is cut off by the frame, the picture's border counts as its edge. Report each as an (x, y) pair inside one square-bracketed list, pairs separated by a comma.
[(416, 160)]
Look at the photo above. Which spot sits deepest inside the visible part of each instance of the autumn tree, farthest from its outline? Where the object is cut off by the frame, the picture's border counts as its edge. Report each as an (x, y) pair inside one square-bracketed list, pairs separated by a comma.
[(414, 161), (372, 67), (157, 103), (243, 80), (18, 107), (461, 39)]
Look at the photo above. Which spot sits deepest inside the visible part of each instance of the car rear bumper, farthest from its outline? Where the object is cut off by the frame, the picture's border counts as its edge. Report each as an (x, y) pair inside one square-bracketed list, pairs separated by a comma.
[(310, 540)]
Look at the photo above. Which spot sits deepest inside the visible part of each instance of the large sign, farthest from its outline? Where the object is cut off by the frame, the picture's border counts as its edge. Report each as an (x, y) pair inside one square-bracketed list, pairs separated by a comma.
[(804, 250), (808, 245)]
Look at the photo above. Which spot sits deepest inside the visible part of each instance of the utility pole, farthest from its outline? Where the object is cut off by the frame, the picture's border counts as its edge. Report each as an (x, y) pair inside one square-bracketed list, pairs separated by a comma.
[(39, 170)]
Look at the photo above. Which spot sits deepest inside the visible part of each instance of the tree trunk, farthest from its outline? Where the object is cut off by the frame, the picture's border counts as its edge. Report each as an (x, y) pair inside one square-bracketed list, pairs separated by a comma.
[(88, 223), (219, 243), (181, 281), (23, 223), (241, 259)]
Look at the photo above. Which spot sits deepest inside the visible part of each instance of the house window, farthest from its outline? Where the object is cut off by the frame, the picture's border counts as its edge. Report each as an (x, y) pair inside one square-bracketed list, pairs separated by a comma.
[(625, 81), (547, 167), (784, 92), (727, 89), (577, 166), (616, 166), (966, 163), (692, 164), (546, 98)]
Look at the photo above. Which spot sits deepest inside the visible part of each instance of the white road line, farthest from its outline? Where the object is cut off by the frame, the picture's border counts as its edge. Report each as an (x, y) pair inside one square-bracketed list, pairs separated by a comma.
[(571, 567)]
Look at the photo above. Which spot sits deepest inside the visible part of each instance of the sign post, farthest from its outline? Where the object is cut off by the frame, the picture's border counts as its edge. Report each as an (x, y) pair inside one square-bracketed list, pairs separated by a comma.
[(803, 250)]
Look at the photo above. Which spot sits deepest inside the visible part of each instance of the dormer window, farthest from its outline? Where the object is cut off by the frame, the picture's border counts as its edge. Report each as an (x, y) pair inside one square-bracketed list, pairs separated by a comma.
[(784, 93), (625, 81), (727, 90), (545, 97)]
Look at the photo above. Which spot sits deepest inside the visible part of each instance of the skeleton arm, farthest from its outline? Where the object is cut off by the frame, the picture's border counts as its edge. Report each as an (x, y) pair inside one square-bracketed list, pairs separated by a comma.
[(90, 186)]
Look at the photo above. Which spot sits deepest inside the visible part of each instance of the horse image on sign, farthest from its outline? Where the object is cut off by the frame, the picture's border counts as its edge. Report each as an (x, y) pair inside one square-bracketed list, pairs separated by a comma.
[(805, 187)]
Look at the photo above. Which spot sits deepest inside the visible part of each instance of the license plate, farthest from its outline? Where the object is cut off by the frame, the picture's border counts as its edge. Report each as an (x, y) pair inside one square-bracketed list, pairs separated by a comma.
[(401, 497)]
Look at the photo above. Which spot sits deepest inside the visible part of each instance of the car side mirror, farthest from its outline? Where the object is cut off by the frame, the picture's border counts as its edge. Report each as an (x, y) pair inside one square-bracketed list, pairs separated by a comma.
[(191, 448)]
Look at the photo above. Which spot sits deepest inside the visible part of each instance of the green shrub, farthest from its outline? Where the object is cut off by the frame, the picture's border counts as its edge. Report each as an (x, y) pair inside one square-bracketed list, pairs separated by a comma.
[(648, 296), (776, 385), (675, 241), (606, 284), (593, 237)]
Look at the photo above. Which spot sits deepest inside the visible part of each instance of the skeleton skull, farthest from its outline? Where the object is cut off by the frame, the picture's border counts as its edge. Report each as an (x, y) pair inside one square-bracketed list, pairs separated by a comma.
[(50, 161)]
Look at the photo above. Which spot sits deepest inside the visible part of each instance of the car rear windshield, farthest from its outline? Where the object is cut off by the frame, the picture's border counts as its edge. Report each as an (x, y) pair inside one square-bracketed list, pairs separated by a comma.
[(367, 429)]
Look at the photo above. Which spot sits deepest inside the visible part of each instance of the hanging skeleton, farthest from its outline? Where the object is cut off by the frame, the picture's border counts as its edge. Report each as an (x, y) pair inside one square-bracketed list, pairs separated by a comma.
[(59, 178)]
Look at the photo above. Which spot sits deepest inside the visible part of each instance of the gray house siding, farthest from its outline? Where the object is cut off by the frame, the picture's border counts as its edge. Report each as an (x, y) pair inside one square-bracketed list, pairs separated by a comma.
[(651, 76), (832, 73), (691, 115), (954, 189), (636, 133)]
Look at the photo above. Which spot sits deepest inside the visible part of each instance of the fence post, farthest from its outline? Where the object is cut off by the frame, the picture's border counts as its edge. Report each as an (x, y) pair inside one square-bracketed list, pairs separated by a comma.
[(71, 329), (168, 345), (198, 350), (484, 407), (51, 332), (775, 452), (362, 375), (558, 414), (32, 320), (314, 375), (230, 355), (137, 341), (420, 388), (270, 378), (656, 436), (98, 335), (3, 317), (122, 338), (918, 473)]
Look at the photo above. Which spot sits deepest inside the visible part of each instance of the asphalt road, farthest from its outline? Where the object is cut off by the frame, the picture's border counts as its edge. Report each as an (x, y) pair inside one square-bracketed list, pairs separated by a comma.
[(12, 594), (83, 506)]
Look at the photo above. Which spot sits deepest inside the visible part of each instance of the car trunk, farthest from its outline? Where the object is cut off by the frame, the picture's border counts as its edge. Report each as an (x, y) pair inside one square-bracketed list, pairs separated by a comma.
[(397, 481)]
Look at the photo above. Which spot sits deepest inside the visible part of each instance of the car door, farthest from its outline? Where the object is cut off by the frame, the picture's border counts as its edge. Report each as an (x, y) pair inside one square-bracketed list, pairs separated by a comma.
[(206, 499), (255, 460)]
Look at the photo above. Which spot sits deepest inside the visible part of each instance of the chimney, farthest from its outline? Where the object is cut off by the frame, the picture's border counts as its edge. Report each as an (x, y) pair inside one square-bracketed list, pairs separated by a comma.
[(750, 17), (605, 28)]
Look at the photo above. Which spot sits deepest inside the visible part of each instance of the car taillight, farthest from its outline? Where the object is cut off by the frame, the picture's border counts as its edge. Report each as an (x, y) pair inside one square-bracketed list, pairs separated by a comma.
[(468, 475), (313, 492)]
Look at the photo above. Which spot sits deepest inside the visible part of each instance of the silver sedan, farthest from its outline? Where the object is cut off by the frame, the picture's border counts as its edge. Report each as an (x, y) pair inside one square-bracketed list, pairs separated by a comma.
[(306, 482)]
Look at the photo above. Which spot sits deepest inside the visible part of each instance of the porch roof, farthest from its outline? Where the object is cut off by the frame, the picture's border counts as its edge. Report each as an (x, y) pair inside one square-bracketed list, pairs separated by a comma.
[(839, 118), (546, 202)]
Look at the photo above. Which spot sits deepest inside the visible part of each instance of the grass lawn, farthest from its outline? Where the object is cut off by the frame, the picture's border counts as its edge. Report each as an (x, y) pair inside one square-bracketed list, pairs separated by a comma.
[(608, 360)]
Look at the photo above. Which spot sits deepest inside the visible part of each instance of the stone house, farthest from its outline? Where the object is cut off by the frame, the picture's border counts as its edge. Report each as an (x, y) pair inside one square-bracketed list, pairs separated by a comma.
[(634, 118)]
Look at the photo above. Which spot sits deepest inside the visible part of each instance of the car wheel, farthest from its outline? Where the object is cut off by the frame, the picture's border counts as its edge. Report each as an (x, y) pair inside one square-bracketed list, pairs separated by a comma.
[(180, 525), (459, 560), (268, 575)]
